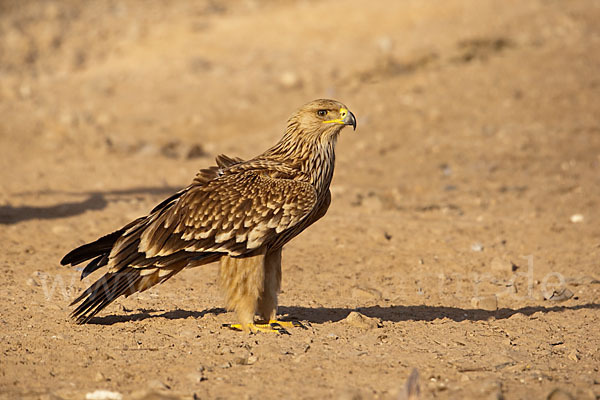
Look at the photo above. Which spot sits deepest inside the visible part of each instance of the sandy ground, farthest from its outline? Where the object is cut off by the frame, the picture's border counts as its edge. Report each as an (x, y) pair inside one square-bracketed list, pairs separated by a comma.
[(464, 227)]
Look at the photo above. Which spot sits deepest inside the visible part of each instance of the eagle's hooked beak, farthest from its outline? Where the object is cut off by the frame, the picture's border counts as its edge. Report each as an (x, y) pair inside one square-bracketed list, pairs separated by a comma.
[(346, 118)]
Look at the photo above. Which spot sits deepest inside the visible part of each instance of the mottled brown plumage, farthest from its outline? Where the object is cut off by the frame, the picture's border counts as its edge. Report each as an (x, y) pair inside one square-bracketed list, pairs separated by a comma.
[(239, 212)]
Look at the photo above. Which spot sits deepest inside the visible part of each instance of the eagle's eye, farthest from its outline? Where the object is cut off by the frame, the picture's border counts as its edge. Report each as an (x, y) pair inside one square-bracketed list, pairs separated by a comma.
[(322, 113)]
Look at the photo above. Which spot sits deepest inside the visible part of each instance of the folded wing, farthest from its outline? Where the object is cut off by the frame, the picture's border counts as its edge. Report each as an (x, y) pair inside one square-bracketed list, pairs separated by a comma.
[(233, 214)]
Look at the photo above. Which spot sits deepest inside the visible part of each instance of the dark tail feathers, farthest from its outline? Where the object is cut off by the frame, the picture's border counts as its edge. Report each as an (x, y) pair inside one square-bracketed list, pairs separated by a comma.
[(104, 291), (96, 251)]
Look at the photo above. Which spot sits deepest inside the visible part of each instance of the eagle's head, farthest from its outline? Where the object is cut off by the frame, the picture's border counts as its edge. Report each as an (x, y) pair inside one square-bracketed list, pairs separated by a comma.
[(321, 119)]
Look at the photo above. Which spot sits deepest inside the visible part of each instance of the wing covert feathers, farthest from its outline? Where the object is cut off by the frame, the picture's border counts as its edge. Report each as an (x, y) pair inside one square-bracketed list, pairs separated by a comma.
[(232, 214)]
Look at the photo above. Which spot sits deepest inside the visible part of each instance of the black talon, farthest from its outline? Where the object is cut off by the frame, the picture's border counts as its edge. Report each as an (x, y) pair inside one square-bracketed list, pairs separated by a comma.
[(298, 324), (279, 328)]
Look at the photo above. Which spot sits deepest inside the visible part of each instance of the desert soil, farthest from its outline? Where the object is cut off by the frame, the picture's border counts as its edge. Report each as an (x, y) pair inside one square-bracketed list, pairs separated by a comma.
[(463, 239)]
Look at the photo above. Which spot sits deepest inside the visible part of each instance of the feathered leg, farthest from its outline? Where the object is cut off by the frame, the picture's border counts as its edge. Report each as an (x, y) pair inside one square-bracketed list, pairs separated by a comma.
[(242, 278), (267, 302), (251, 286)]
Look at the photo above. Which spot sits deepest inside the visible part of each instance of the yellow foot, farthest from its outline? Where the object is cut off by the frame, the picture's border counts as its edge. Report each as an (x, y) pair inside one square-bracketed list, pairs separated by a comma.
[(271, 326)]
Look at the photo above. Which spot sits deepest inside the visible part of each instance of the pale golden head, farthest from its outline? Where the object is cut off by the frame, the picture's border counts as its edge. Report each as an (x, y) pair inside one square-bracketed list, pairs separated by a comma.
[(322, 117)]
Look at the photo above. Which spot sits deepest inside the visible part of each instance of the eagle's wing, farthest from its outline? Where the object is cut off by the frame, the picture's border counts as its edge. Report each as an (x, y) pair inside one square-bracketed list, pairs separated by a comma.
[(232, 214), (224, 161)]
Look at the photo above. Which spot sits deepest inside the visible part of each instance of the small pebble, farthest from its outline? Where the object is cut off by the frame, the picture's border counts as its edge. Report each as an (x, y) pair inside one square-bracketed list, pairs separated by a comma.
[(251, 360), (359, 320), (477, 247), (103, 395), (576, 218), (247, 360), (573, 355), (488, 303)]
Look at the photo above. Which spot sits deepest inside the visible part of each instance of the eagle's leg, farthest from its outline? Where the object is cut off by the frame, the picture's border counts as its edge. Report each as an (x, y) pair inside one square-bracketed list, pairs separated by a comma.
[(251, 284), (242, 278), (267, 302)]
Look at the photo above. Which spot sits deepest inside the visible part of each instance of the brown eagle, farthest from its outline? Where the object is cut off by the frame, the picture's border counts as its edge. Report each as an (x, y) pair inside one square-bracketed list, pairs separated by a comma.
[(240, 213)]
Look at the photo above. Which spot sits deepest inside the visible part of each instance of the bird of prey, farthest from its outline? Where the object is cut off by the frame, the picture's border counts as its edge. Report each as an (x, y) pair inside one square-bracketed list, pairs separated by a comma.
[(240, 213)]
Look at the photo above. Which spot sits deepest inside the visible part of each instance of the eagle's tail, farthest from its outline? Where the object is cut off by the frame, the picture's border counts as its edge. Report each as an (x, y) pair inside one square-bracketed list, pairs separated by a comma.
[(128, 280), (130, 270), (97, 251), (104, 291)]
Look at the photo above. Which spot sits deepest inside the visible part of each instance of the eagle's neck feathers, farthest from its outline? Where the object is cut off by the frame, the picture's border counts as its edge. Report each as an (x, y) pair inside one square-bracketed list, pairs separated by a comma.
[(313, 155)]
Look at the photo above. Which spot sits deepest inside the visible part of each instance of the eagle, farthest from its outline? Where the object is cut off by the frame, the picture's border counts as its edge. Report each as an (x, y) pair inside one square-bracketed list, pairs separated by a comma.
[(239, 213)]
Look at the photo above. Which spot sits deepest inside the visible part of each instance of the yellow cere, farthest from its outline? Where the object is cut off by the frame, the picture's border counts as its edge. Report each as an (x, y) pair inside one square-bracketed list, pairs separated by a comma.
[(343, 113)]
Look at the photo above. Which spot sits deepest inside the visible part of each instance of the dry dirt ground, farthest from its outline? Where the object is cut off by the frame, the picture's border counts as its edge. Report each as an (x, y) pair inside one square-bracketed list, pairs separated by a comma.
[(463, 206)]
